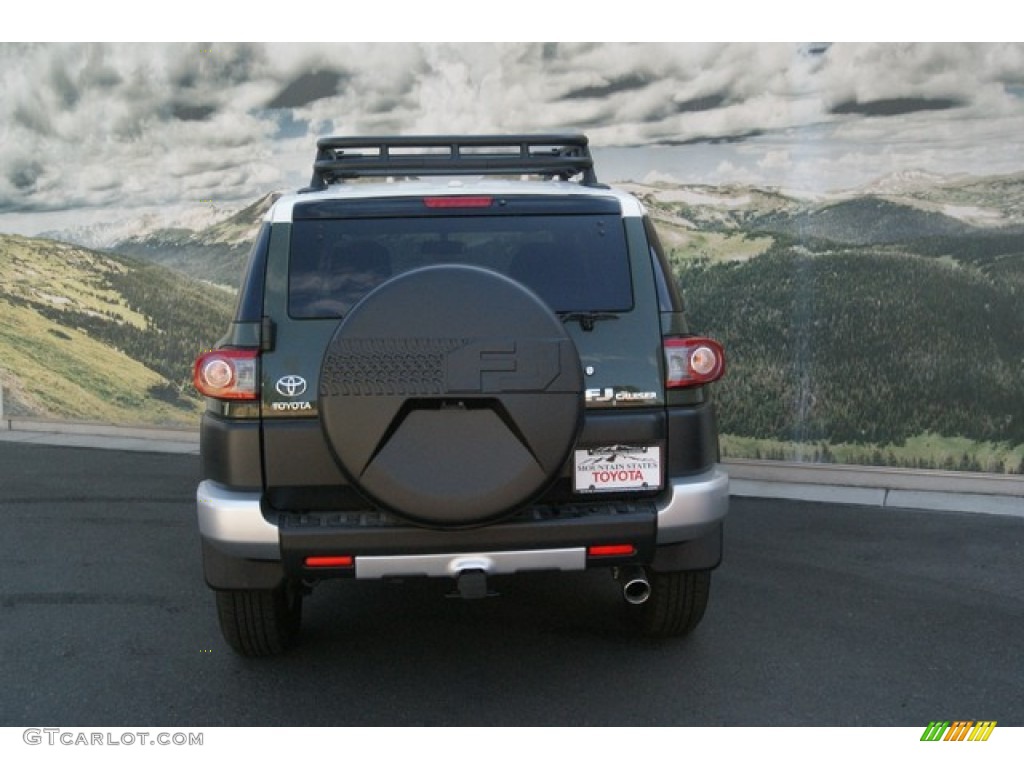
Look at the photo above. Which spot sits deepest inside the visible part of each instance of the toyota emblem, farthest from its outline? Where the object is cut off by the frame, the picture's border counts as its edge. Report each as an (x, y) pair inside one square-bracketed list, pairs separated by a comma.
[(290, 386)]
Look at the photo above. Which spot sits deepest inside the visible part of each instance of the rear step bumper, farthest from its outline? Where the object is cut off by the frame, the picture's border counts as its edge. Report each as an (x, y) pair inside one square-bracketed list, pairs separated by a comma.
[(490, 563), (233, 523)]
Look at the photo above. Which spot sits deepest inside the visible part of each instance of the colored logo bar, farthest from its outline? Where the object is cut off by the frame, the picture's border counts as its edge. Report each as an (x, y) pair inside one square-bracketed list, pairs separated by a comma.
[(958, 730)]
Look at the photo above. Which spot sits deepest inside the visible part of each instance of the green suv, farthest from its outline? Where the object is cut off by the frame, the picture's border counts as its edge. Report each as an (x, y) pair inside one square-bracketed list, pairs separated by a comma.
[(457, 357)]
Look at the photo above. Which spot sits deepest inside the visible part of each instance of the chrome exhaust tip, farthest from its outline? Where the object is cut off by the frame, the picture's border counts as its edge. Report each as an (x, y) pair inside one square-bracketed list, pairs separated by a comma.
[(635, 587)]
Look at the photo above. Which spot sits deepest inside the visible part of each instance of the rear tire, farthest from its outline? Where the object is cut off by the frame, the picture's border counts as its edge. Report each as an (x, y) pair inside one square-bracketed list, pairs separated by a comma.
[(676, 605), (260, 622)]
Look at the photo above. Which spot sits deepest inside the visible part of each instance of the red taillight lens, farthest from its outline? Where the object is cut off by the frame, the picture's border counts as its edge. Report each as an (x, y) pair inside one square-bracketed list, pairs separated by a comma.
[(330, 561), (227, 374), (458, 201), (693, 360), (611, 550)]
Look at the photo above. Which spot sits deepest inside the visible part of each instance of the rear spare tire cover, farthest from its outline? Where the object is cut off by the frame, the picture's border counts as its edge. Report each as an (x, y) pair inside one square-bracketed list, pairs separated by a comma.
[(451, 395)]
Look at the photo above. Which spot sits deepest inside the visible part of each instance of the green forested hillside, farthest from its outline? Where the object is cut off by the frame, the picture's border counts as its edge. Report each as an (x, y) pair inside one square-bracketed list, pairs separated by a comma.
[(864, 346), (90, 336), (861, 221), (998, 254), (218, 263)]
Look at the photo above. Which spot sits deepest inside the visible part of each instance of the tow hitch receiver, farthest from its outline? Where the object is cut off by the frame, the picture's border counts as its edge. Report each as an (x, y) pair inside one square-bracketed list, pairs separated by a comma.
[(471, 584)]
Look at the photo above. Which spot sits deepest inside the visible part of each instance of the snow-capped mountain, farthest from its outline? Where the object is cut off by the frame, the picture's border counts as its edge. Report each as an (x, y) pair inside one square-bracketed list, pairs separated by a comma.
[(105, 234)]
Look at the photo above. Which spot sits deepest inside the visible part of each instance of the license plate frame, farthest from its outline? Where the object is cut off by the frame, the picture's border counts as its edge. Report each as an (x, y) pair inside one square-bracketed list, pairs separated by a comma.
[(617, 469)]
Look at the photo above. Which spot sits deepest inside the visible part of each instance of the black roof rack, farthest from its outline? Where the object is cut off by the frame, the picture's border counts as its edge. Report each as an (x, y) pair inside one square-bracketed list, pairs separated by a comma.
[(552, 155)]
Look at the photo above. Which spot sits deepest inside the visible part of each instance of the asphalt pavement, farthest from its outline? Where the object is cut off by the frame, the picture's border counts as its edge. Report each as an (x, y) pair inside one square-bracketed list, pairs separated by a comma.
[(821, 614)]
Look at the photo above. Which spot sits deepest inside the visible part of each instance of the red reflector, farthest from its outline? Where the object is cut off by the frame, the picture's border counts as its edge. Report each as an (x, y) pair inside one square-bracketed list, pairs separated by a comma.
[(330, 561), (458, 202), (611, 550)]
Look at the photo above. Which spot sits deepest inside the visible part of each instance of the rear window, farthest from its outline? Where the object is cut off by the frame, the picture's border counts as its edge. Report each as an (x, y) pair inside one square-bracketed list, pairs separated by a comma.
[(575, 263)]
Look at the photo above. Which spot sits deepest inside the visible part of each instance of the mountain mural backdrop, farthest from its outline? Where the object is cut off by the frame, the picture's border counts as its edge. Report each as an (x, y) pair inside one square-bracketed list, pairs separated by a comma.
[(884, 326)]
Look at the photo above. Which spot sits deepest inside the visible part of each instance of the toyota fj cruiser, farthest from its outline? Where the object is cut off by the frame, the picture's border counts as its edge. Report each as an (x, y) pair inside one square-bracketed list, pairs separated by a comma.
[(457, 357)]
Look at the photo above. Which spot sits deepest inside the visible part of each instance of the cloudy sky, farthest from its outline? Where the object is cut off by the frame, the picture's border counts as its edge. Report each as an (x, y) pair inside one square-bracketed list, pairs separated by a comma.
[(92, 132)]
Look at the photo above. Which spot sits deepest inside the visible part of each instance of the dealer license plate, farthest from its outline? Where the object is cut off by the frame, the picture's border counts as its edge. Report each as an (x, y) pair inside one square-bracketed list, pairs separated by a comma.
[(618, 468)]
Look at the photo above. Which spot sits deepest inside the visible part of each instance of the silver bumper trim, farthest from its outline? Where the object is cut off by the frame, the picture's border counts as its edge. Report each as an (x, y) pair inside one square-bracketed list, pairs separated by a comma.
[(233, 522), (491, 563), (695, 505)]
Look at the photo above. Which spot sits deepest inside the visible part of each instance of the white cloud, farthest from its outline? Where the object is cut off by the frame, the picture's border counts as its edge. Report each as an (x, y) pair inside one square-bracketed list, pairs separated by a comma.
[(123, 125), (776, 160)]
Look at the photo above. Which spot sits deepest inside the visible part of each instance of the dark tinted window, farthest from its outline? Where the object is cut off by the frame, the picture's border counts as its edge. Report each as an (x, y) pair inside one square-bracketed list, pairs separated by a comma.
[(249, 308), (575, 263), (669, 299)]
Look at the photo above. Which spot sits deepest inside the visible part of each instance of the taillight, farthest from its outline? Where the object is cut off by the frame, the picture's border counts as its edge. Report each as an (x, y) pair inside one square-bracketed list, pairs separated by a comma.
[(458, 201), (227, 374), (692, 360)]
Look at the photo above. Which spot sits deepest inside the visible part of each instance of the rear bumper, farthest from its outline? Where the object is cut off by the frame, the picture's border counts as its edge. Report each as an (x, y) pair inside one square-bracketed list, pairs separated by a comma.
[(695, 506), (232, 523)]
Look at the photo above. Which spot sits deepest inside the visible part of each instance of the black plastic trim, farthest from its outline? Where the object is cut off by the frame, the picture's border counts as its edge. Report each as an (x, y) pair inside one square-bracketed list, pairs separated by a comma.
[(414, 207), (698, 554), (222, 571), (692, 439), (230, 453)]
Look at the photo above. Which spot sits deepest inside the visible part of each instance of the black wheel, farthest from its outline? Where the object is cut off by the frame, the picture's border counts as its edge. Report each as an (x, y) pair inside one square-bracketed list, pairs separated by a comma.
[(676, 605), (451, 395), (260, 622)]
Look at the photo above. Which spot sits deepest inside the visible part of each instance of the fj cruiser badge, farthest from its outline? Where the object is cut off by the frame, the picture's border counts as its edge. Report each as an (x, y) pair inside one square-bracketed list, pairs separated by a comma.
[(609, 394)]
